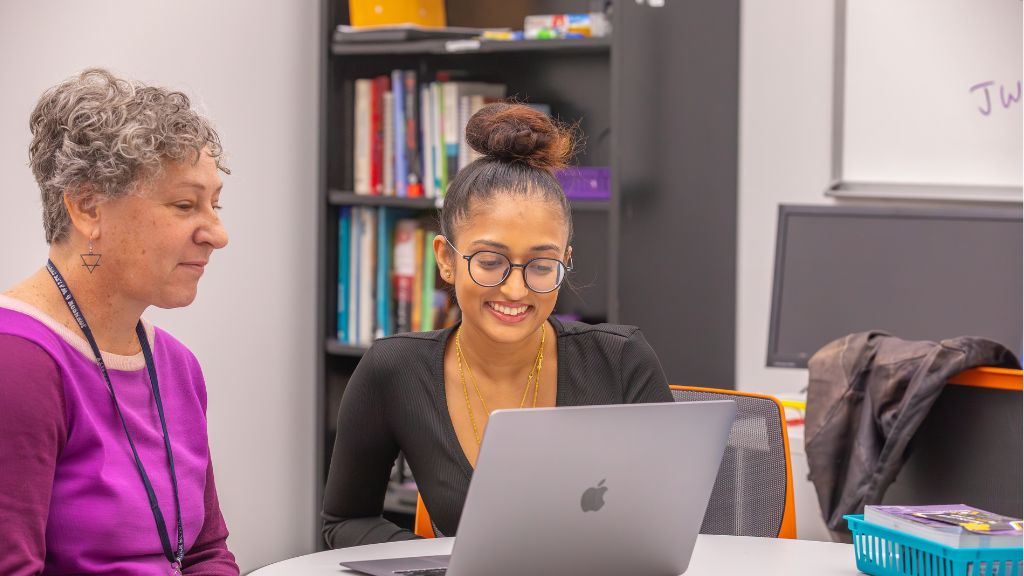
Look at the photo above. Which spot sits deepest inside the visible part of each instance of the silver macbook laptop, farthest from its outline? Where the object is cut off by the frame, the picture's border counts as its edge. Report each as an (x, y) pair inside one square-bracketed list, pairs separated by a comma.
[(589, 490)]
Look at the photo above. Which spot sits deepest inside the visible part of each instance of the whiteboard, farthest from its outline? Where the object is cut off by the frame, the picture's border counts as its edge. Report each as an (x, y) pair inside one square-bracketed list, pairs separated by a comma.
[(930, 93)]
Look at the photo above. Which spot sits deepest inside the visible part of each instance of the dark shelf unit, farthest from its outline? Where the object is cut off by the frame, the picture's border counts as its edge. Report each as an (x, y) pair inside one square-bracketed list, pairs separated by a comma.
[(657, 102), (336, 348), (343, 198)]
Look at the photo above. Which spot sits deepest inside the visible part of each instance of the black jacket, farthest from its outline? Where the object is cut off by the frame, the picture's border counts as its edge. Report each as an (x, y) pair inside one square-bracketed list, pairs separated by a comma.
[(868, 394)]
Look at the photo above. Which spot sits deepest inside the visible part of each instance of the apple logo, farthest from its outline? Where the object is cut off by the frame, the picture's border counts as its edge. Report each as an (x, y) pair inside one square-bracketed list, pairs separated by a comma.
[(593, 498)]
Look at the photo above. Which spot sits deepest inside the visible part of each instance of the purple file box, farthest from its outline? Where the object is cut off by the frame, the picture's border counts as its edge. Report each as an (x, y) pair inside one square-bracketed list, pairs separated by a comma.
[(585, 182)]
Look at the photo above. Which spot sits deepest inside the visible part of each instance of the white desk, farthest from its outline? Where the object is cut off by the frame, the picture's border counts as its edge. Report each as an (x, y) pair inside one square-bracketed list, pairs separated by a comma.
[(713, 555)]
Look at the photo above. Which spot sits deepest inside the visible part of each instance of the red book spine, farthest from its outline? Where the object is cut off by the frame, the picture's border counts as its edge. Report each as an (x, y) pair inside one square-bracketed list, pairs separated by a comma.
[(380, 85), (404, 267)]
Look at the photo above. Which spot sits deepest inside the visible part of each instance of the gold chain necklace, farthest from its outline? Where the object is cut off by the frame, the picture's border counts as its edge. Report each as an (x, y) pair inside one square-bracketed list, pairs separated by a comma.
[(532, 378)]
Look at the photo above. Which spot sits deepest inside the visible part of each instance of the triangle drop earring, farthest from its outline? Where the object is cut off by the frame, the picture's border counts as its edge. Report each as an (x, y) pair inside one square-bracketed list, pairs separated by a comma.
[(90, 261)]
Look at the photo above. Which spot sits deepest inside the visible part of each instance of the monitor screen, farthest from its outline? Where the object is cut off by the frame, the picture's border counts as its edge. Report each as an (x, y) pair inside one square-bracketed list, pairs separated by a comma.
[(916, 273)]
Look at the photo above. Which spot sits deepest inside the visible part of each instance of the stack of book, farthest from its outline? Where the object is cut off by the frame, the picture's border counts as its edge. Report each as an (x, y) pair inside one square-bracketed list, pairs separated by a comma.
[(387, 276), (410, 136), (953, 525)]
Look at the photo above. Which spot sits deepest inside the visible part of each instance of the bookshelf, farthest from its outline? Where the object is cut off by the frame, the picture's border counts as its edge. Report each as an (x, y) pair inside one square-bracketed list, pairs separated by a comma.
[(657, 102), (425, 47), (348, 198)]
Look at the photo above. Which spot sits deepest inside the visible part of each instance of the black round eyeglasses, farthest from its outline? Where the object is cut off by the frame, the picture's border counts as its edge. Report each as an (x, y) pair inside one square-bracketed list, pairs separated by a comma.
[(489, 269)]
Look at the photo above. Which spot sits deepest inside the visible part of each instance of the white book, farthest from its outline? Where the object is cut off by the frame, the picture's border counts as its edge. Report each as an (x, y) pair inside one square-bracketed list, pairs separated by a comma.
[(363, 148), (454, 130), (388, 167), (468, 105), (426, 138), (464, 113)]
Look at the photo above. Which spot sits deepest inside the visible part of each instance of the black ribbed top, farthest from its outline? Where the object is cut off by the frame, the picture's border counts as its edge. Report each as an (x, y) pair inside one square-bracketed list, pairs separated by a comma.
[(395, 400)]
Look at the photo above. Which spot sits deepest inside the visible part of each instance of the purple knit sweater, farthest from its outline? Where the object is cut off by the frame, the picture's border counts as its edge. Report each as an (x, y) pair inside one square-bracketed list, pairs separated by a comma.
[(71, 500)]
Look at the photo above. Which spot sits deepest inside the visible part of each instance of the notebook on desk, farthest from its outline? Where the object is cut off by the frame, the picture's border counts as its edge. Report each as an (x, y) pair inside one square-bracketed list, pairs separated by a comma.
[(584, 490)]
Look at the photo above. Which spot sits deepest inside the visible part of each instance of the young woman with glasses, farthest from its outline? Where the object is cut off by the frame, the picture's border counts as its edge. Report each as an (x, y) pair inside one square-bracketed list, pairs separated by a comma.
[(505, 248)]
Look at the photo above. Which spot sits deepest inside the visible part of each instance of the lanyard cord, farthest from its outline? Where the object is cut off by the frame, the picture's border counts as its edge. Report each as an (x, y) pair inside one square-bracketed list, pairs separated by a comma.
[(174, 557)]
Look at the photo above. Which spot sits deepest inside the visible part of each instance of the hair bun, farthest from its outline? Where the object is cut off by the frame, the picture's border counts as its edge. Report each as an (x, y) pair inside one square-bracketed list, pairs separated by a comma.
[(518, 133)]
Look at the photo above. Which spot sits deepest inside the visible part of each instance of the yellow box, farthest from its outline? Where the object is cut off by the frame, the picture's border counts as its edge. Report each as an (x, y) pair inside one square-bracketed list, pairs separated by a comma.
[(389, 12)]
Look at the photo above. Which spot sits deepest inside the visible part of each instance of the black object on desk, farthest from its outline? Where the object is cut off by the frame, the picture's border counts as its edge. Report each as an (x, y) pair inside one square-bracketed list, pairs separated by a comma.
[(921, 273)]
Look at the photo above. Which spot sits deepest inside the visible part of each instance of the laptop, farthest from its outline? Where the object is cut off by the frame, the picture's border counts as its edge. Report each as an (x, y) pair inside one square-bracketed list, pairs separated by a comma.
[(595, 490)]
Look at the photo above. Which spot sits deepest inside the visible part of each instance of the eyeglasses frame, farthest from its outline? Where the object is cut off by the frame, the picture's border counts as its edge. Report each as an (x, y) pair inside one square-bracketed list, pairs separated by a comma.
[(508, 272)]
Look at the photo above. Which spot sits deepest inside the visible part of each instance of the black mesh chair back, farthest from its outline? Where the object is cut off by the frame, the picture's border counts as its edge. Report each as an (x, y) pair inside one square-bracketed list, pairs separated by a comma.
[(753, 493)]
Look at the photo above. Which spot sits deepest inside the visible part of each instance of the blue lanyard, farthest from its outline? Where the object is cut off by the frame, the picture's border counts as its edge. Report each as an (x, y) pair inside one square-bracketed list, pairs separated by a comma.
[(174, 557)]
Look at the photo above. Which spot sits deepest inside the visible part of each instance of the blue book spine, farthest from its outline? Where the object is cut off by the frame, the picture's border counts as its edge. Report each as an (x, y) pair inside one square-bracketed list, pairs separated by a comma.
[(383, 272), (357, 239), (401, 170), (344, 238)]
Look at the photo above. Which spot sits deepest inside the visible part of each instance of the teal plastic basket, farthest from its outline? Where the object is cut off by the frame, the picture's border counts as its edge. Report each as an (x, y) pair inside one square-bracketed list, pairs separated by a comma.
[(883, 551)]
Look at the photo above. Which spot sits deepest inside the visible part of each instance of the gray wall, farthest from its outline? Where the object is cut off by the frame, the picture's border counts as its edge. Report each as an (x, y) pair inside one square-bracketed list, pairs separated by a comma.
[(253, 69), (785, 153), (785, 134)]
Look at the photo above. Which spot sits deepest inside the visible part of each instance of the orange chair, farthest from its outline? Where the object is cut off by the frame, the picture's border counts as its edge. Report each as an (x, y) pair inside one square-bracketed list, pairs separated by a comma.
[(422, 527), (753, 494)]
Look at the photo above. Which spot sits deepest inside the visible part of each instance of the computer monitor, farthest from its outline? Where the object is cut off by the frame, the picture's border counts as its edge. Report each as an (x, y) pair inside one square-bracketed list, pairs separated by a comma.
[(917, 273)]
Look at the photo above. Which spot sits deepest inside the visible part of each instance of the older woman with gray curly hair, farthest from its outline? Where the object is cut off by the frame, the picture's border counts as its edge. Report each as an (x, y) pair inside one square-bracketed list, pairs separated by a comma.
[(103, 419)]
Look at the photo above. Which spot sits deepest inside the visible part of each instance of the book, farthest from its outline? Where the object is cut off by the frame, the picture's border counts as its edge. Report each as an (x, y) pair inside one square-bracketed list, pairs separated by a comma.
[(953, 525), (464, 112), (344, 232), (361, 274), (449, 312), (437, 91), (388, 144), (429, 282), (381, 84), (427, 142), (383, 280), (362, 151), (398, 94), (414, 178), (368, 263), (455, 123), (404, 272), (405, 32), (468, 106), (417, 280), (355, 238)]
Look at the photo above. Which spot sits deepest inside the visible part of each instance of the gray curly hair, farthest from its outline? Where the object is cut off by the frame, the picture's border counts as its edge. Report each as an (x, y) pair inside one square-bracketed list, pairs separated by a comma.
[(102, 135)]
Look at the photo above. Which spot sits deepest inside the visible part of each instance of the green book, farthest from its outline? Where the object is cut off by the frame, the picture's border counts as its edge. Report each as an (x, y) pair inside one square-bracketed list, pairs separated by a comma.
[(441, 166), (429, 280)]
